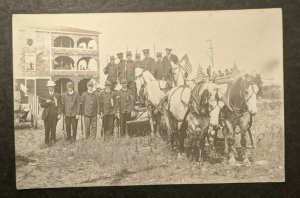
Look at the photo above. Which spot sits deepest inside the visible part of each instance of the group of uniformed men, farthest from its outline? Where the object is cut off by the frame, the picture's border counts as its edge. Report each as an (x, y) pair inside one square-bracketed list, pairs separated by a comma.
[(107, 104), (125, 69)]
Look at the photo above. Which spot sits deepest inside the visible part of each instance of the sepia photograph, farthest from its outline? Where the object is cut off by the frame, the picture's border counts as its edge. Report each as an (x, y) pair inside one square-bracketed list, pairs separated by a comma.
[(148, 98)]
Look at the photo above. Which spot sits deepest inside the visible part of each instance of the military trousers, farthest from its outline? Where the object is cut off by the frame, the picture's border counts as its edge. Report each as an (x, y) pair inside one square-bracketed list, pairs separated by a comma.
[(90, 126), (124, 118), (108, 122), (71, 123)]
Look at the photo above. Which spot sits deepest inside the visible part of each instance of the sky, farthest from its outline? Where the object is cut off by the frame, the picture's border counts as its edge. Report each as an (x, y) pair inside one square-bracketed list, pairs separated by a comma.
[(252, 39)]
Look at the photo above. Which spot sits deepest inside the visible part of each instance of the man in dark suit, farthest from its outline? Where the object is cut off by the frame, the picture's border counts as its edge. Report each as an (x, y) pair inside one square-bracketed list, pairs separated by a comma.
[(125, 106), (51, 103), (112, 72), (107, 104), (121, 67), (148, 63), (138, 62), (163, 71), (90, 110), (71, 109), (169, 57)]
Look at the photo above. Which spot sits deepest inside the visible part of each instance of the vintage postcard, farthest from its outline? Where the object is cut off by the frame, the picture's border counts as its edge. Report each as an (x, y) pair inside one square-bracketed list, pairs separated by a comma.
[(114, 99)]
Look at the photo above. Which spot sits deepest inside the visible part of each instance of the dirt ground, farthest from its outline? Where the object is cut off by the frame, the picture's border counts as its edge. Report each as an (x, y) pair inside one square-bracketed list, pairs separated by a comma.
[(143, 160)]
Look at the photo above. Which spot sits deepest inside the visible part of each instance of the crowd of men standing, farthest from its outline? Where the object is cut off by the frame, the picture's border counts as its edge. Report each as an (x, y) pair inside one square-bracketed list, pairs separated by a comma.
[(107, 104)]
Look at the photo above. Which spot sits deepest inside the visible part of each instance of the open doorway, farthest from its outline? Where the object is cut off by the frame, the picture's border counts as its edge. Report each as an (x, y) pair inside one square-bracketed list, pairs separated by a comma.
[(82, 85), (61, 85)]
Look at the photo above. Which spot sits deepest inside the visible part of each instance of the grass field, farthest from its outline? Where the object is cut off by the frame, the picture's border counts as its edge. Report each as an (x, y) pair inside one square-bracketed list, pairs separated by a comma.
[(144, 160)]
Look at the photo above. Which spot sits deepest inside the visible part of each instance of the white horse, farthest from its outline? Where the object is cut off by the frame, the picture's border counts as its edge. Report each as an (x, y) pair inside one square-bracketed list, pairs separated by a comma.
[(198, 107)]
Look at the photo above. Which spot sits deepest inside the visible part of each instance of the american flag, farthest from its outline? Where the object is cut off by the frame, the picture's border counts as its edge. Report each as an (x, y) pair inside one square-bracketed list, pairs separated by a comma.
[(200, 73), (185, 63)]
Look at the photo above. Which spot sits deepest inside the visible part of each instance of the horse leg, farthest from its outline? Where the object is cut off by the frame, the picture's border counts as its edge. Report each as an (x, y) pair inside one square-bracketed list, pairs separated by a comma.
[(244, 146)]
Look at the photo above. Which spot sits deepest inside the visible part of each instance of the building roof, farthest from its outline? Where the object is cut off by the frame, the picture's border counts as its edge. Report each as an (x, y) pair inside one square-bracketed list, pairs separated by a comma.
[(62, 29)]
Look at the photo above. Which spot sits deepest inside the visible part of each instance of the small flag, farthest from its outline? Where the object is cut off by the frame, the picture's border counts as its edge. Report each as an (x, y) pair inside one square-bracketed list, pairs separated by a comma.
[(185, 63), (23, 88)]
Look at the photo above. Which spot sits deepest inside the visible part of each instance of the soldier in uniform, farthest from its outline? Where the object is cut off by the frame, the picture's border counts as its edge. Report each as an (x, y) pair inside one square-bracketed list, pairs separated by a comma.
[(90, 108), (138, 62), (148, 63), (163, 71), (112, 72), (107, 104), (51, 113), (121, 67), (125, 106), (71, 109), (130, 73)]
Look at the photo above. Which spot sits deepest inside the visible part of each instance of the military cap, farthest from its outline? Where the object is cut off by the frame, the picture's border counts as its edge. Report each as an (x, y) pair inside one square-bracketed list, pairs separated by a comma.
[(90, 83), (70, 83), (146, 51), (124, 81), (159, 54), (120, 54), (50, 83), (112, 57), (128, 53), (137, 55), (107, 83), (167, 48)]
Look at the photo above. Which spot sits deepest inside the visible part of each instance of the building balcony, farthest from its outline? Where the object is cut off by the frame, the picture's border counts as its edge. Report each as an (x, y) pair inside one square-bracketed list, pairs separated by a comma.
[(85, 73), (74, 51)]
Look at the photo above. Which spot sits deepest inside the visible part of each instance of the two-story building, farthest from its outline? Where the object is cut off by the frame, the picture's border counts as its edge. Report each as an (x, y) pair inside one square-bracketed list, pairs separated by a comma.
[(62, 54)]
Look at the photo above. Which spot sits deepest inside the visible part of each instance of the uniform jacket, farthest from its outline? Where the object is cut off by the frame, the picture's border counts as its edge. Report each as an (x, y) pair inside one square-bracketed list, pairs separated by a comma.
[(121, 70), (107, 102), (89, 103), (163, 71), (71, 104), (125, 100), (130, 72), (167, 62), (112, 72), (149, 64), (51, 109), (138, 64)]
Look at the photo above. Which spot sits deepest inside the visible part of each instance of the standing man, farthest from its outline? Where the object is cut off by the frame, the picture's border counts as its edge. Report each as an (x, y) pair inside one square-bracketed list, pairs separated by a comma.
[(125, 106), (51, 113), (112, 72), (107, 104), (130, 73), (89, 110), (148, 63), (163, 71), (121, 67), (169, 57), (138, 62), (71, 109)]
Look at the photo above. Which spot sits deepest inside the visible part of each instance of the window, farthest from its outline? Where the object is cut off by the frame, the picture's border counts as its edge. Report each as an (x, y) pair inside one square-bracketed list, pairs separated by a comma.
[(30, 64), (64, 41), (63, 63), (86, 43)]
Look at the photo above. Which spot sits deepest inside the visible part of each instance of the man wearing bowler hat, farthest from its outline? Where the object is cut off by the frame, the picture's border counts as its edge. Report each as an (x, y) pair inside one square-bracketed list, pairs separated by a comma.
[(107, 104), (112, 72), (169, 57), (125, 105), (71, 109), (51, 103), (148, 63), (90, 110)]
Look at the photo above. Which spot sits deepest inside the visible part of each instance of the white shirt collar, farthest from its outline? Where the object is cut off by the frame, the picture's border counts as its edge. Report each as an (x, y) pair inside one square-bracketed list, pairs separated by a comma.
[(72, 92)]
